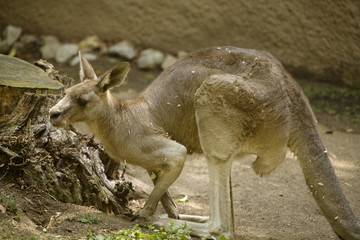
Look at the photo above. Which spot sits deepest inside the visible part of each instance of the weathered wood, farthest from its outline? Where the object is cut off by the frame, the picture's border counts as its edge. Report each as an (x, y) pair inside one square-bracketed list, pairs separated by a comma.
[(53, 73), (15, 72), (17, 78), (8, 152), (28, 103)]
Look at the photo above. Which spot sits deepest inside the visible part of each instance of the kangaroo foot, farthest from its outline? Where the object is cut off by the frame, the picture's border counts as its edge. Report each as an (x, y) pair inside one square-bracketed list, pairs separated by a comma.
[(199, 225)]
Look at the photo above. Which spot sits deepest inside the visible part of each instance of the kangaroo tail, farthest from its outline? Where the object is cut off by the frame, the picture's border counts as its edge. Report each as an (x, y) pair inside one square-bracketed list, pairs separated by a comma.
[(323, 183)]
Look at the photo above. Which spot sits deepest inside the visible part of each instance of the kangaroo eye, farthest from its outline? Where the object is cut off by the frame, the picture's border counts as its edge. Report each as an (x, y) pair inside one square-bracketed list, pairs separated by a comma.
[(81, 102)]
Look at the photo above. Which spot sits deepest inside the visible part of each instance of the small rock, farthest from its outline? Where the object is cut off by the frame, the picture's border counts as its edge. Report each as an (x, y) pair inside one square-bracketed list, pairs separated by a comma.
[(90, 43), (113, 60), (150, 59), (168, 61), (123, 49), (50, 47), (2, 209), (89, 56), (65, 52), (181, 54), (349, 130), (29, 38), (11, 34)]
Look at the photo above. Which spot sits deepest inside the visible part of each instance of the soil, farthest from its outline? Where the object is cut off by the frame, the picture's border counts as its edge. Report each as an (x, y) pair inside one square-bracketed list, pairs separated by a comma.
[(279, 206)]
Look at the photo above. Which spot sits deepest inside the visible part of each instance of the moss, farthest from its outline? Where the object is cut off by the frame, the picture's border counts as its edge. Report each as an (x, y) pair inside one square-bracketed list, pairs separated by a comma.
[(17, 73)]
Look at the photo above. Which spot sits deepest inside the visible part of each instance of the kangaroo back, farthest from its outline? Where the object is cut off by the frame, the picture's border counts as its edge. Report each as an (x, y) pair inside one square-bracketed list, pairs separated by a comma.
[(171, 95)]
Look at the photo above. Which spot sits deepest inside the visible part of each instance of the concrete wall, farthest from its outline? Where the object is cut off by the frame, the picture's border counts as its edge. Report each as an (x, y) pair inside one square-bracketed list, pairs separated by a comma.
[(318, 39)]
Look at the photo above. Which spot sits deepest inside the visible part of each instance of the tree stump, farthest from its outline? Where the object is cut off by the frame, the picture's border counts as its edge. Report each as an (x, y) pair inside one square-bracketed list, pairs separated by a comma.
[(62, 162)]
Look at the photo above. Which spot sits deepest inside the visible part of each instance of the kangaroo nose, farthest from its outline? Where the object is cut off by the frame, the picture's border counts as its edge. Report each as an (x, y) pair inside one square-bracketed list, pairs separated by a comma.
[(54, 115)]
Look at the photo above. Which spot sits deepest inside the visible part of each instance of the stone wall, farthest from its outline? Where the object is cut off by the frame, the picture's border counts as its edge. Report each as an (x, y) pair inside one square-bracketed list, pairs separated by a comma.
[(313, 39)]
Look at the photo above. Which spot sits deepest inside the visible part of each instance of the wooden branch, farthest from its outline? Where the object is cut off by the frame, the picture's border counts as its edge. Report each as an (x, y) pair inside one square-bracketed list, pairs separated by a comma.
[(8, 152)]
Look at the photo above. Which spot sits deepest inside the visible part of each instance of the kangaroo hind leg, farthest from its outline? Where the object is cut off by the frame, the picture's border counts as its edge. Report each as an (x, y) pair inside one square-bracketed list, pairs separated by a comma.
[(166, 200), (166, 161), (228, 113)]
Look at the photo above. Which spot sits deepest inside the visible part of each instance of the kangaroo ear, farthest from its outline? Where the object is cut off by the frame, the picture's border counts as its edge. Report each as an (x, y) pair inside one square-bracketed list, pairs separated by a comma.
[(86, 70), (114, 76)]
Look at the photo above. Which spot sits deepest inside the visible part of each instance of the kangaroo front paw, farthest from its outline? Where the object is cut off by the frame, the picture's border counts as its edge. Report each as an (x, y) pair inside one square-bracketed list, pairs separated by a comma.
[(143, 213)]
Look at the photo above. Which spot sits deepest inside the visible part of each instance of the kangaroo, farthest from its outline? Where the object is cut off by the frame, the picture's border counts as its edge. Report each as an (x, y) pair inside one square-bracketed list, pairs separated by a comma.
[(225, 102)]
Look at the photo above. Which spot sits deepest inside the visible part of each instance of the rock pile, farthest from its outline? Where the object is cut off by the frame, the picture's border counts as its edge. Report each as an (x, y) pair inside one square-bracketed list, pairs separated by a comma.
[(15, 43), (9, 37)]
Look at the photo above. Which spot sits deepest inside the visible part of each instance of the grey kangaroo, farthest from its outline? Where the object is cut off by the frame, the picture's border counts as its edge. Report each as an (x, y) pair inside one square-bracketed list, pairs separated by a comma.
[(225, 102)]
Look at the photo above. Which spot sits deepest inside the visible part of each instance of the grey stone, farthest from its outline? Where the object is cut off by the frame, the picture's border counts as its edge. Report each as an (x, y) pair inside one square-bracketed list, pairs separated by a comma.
[(11, 34), (50, 47), (123, 49), (91, 43), (150, 59), (89, 56), (29, 38), (168, 61), (66, 52)]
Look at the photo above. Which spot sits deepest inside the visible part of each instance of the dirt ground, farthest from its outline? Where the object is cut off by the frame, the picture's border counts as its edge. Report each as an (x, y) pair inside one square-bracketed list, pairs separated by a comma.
[(279, 206)]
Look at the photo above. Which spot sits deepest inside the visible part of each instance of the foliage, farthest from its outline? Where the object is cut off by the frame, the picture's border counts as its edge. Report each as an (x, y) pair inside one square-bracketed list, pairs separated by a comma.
[(341, 102), (173, 232), (135, 233), (8, 232), (86, 219), (11, 206)]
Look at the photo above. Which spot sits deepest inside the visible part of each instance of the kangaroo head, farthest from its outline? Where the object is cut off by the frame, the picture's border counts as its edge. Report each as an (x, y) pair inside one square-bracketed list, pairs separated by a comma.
[(85, 101)]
